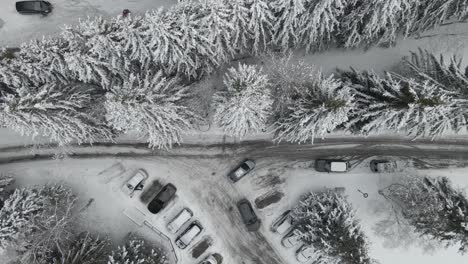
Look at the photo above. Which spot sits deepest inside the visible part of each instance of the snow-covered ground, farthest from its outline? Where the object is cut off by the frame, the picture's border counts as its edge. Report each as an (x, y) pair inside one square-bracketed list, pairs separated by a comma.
[(16, 28), (204, 188)]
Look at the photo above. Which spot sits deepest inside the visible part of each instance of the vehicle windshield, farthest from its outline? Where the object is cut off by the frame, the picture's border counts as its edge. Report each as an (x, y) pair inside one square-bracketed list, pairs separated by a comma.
[(245, 167)]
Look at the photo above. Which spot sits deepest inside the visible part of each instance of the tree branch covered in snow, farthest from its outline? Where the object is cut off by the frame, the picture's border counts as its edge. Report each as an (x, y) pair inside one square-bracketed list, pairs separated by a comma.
[(326, 221), (245, 106), (419, 109), (85, 249), (60, 111), (151, 106), (433, 207), (317, 107), (136, 251)]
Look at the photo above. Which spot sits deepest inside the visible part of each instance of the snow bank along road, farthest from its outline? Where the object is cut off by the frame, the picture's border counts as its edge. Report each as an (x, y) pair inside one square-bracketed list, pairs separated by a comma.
[(18, 28)]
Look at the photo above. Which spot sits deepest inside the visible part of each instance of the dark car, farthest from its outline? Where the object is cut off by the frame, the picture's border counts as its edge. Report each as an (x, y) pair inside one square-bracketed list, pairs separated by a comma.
[(34, 7), (248, 215), (382, 166), (331, 165), (164, 196), (241, 170)]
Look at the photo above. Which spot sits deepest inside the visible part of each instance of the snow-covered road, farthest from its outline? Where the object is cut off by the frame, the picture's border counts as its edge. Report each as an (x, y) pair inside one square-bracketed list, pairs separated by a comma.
[(16, 28)]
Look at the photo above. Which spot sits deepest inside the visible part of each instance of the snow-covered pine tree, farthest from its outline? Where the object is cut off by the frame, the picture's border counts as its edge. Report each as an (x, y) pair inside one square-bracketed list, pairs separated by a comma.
[(136, 251), (425, 66), (419, 109), (215, 20), (317, 107), (260, 24), (327, 222), (63, 112), (285, 74), (18, 214), (434, 207), (288, 15), (245, 106), (84, 249), (6, 180), (435, 12), (377, 22), (320, 22), (178, 43), (239, 21), (151, 106)]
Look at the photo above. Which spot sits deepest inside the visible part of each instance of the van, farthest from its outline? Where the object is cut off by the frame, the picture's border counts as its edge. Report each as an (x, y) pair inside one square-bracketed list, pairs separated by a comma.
[(188, 235), (179, 220)]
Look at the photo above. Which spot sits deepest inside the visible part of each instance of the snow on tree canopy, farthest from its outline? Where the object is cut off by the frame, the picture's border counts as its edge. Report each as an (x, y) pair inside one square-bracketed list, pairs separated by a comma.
[(150, 106), (136, 251), (326, 221), (59, 111), (317, 107), (419, 109), (245, 106)]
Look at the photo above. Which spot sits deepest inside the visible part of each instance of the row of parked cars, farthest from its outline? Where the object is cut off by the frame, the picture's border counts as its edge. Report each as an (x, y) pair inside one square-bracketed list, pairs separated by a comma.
[(338, 165), (181, 223)]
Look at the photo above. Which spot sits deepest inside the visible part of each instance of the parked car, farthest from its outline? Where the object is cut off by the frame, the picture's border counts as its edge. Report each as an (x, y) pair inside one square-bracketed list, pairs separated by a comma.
[(305, 253), (331, 165), (241, 170), (290, 240), (34, 7), (282, 224), (164, 196), (248, 215), (211, 259), (135, 183), (192, 232), (382, 166), (179, 220)]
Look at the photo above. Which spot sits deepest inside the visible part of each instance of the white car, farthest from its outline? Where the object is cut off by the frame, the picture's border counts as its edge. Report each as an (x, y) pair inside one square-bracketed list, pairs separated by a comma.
[(331, 165), (186, 238), (282, 224), (179, 220), (210, 260), (135, 182), (290, 240), (305, 253), (240, 171)]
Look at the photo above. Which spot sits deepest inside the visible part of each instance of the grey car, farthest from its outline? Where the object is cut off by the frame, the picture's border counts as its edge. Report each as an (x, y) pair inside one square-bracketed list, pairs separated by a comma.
[(248, 215), (241, 170), (34, 7)]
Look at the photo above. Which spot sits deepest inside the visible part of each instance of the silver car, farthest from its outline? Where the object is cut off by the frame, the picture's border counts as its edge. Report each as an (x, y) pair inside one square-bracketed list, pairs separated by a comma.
[(240, 171), (135, 183)]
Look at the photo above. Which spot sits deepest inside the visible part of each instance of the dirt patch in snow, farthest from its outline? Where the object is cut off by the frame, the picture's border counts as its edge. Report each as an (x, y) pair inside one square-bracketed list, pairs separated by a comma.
[(269, 198), (271, 179), (201, 247)]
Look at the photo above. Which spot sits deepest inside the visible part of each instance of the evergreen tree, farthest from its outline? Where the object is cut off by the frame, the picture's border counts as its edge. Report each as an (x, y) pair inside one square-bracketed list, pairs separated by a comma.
[(85, 249), (378, 22), (239, 20), (245, 106), (419, 109), (425, 66), (317, 107), (260, 24), (320, 22), (62, 112), (327, 222), (151, 106), (288, 14), (136, 251), (434, 207), (435, 12)]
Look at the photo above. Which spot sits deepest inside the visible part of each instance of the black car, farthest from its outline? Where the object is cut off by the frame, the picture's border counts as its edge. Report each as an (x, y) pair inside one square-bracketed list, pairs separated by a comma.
[(34, 7), (164, 196), (248, 215)]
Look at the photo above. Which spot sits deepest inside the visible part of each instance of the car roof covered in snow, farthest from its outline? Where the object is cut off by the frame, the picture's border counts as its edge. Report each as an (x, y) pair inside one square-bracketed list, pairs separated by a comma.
[(338, 166)]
